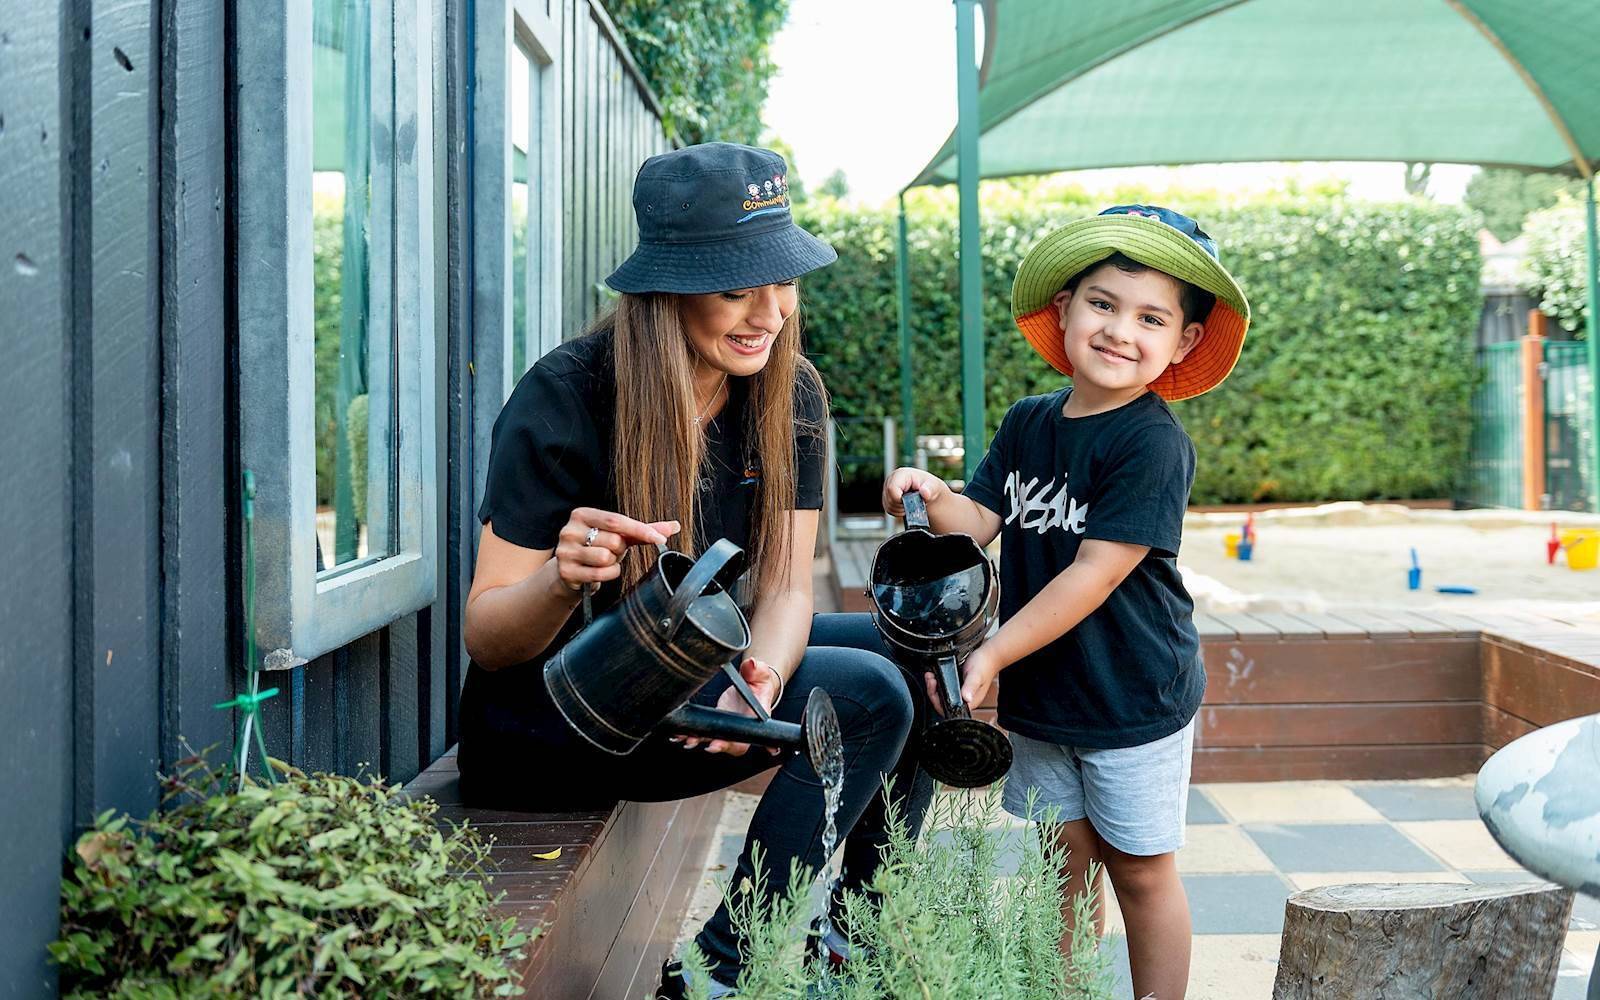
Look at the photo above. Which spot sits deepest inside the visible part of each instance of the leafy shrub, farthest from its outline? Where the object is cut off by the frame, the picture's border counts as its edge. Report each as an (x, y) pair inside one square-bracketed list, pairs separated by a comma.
[(318, 885), (1355, 381), (1557, 257), (947, 923)]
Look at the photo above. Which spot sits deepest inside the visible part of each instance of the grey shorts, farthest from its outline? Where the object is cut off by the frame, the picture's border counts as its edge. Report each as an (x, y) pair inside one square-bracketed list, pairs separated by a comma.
[(1137, 798)]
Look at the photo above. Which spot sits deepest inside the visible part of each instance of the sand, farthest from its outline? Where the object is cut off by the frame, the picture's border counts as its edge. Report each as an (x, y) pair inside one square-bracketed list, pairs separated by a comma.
[(1354, 555)]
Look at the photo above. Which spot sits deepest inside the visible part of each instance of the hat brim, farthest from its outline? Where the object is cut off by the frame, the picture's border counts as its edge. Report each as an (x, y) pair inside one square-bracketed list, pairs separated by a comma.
[(1080, 245), (698, 268)]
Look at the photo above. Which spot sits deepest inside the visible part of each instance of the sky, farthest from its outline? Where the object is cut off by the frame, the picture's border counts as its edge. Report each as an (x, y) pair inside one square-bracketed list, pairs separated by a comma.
[(868, 87)]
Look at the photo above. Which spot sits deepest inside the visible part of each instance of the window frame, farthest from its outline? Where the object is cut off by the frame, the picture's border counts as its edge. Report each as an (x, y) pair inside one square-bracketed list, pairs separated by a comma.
[(300, 613), (499, 27)]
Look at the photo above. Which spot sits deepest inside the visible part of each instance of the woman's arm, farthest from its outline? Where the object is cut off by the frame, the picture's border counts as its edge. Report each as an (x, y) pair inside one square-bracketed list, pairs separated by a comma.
[(521, 597)]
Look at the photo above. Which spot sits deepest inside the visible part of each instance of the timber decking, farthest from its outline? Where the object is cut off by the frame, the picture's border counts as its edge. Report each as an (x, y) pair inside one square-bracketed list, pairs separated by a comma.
[(1360, 694), (608, 908)]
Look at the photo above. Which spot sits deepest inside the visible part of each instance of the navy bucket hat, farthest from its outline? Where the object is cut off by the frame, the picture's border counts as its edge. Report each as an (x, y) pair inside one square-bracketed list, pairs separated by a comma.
[(715, 217)]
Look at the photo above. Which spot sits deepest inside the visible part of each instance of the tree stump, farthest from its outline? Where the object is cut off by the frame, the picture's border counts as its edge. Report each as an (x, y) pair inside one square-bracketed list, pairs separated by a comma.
[(1403, 941)]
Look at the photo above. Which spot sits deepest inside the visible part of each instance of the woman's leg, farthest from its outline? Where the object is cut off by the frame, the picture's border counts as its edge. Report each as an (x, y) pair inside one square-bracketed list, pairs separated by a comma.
[(910, 787), (875, 713)]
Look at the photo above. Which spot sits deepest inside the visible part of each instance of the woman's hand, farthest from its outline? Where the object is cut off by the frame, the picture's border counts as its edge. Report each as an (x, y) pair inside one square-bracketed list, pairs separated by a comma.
[(590, 545), (764, 684), (904, 480)]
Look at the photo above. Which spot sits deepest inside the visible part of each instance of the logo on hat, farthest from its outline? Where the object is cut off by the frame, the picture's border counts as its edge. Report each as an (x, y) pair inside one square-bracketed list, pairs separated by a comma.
[(763, 197)]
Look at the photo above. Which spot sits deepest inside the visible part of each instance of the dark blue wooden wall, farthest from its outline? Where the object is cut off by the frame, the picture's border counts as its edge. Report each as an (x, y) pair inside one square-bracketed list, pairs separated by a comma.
[(119, 575)]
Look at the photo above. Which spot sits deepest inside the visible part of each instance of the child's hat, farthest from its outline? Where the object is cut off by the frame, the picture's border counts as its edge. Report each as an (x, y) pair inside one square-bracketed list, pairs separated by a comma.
[(1154, 236)]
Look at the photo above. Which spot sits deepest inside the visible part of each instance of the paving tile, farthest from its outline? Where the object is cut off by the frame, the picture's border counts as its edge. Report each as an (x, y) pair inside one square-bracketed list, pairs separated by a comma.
[(1213, 849), (1340, 847), (1291, 802), (1230, 966), (1415, 800), (1462, 843), (1316, 880), (1236, 904), (1577, 964), (1202, 810)]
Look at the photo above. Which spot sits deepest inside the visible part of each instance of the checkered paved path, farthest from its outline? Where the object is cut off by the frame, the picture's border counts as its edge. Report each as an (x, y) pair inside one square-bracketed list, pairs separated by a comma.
[(1251, 845)]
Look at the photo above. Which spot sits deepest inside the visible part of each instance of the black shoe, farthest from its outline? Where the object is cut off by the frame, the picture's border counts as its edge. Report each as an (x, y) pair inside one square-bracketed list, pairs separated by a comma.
[(672, 985)]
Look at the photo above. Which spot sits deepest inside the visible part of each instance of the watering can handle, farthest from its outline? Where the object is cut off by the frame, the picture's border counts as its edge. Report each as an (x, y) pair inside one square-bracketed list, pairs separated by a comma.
[(916, 510), (723, 560), (948, 684)]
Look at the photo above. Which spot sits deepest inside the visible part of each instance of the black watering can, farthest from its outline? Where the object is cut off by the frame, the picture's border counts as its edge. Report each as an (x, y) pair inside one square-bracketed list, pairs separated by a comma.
[(935, 598), (633, 670)]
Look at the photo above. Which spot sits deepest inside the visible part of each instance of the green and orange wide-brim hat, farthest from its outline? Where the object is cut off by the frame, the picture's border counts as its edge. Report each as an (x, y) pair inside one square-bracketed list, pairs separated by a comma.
[(1154, 236)]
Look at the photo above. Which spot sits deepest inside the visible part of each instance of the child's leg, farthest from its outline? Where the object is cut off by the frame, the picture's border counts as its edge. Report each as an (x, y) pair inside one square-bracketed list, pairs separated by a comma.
[(1137, 799), (1155, 911), (1082, 845)]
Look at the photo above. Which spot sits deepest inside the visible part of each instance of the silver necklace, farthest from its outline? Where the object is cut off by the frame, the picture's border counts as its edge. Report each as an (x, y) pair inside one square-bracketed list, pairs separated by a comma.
[(712, 401)]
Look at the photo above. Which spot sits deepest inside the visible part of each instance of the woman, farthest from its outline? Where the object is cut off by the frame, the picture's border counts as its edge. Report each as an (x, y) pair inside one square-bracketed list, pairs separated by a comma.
[(688, 414)]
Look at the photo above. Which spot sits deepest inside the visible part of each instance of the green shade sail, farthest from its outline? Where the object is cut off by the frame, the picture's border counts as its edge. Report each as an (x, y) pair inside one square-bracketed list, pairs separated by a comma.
[(1073, 85)]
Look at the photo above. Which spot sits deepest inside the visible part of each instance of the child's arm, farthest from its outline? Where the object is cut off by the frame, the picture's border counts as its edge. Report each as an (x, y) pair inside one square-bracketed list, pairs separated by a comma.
[(947, 510), (1076, 591)]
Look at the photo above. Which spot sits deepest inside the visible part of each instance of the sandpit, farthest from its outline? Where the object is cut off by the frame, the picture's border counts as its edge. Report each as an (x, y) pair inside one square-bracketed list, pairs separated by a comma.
[(1355, 555)]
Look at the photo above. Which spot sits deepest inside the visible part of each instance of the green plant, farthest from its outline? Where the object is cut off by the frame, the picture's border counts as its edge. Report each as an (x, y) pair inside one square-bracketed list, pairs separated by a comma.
[(706, 60), (1557, 259), (1355, 382), (942, 921), (319, 885)]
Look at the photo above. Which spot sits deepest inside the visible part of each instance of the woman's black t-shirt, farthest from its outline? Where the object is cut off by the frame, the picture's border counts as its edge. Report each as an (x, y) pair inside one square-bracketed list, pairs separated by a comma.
[(551, 453)]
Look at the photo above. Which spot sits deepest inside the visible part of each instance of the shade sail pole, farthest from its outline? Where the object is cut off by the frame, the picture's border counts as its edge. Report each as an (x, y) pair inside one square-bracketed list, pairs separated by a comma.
[(908, 431), (972, 429), (1592, 327)]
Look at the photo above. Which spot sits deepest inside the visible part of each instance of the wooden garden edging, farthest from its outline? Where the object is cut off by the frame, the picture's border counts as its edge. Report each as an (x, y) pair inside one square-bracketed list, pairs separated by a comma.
[(608, 908), (1360, 695)]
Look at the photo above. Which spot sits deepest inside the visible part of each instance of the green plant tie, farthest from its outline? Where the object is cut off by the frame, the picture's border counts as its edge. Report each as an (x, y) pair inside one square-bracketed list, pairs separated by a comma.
[(249, 703)]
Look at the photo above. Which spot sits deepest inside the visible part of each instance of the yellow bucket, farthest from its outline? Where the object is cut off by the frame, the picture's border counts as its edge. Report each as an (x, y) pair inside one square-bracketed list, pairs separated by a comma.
[(1582, 546), (1230, 544)]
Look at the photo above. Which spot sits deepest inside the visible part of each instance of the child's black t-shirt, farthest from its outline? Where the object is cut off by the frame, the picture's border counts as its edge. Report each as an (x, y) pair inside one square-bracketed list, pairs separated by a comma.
[(1130, 672)]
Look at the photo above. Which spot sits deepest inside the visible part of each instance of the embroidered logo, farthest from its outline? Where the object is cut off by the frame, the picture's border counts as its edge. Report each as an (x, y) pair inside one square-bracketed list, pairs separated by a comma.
[(1042, 507), (763, 197)]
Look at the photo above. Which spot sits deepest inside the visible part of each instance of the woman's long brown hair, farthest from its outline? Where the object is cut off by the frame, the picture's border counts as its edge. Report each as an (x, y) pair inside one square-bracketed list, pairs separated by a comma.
[(657, 448)]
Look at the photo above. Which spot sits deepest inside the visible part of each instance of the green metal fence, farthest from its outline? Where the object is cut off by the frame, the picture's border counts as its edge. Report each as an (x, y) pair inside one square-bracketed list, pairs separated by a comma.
[(1568, 427), (1494, 468)]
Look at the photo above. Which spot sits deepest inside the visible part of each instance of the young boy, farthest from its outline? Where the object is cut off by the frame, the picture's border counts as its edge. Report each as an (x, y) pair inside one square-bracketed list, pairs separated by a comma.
[(1086, 487)]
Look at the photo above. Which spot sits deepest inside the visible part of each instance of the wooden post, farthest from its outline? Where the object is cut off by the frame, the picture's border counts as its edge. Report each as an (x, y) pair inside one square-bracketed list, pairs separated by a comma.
[(1415, 941), (1533, 484)]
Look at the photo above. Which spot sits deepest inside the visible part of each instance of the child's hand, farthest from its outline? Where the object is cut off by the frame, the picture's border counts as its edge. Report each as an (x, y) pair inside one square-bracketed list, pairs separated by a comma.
[(902, 481), (976, 675)]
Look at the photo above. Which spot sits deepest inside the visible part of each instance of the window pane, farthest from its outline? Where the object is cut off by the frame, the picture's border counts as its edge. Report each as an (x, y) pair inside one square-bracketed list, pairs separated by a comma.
[(518, 123), (353, 342)]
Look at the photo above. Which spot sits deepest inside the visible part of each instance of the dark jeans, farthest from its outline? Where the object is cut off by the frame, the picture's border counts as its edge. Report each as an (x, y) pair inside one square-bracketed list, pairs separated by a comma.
[(878, 705)]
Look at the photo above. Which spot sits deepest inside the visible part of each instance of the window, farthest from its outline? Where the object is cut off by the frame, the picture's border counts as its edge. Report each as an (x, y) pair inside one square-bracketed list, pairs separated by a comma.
[(335, 291)]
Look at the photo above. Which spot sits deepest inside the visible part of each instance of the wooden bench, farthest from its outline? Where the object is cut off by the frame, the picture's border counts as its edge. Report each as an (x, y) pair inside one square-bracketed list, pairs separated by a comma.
[(1357, 694), (609, 907)]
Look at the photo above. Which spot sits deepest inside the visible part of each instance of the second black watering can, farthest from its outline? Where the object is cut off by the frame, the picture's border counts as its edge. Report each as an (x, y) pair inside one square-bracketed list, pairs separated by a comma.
[(935, 597), (632, 670)]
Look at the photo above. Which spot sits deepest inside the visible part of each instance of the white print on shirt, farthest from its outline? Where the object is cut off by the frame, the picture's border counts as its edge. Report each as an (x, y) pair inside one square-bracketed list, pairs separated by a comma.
[(1039, 509)]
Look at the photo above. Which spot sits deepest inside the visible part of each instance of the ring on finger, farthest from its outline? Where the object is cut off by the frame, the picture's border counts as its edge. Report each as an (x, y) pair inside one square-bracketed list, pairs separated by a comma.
[(590, 536)]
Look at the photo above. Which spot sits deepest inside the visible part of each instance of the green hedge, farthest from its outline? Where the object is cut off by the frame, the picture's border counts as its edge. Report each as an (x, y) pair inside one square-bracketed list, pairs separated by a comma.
[(1355, 380)]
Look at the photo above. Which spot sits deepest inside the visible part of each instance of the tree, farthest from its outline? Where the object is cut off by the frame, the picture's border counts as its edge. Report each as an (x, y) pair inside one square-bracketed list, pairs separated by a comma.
[(1417, 175), (837, 185), (706, 60), (1505, 197)]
